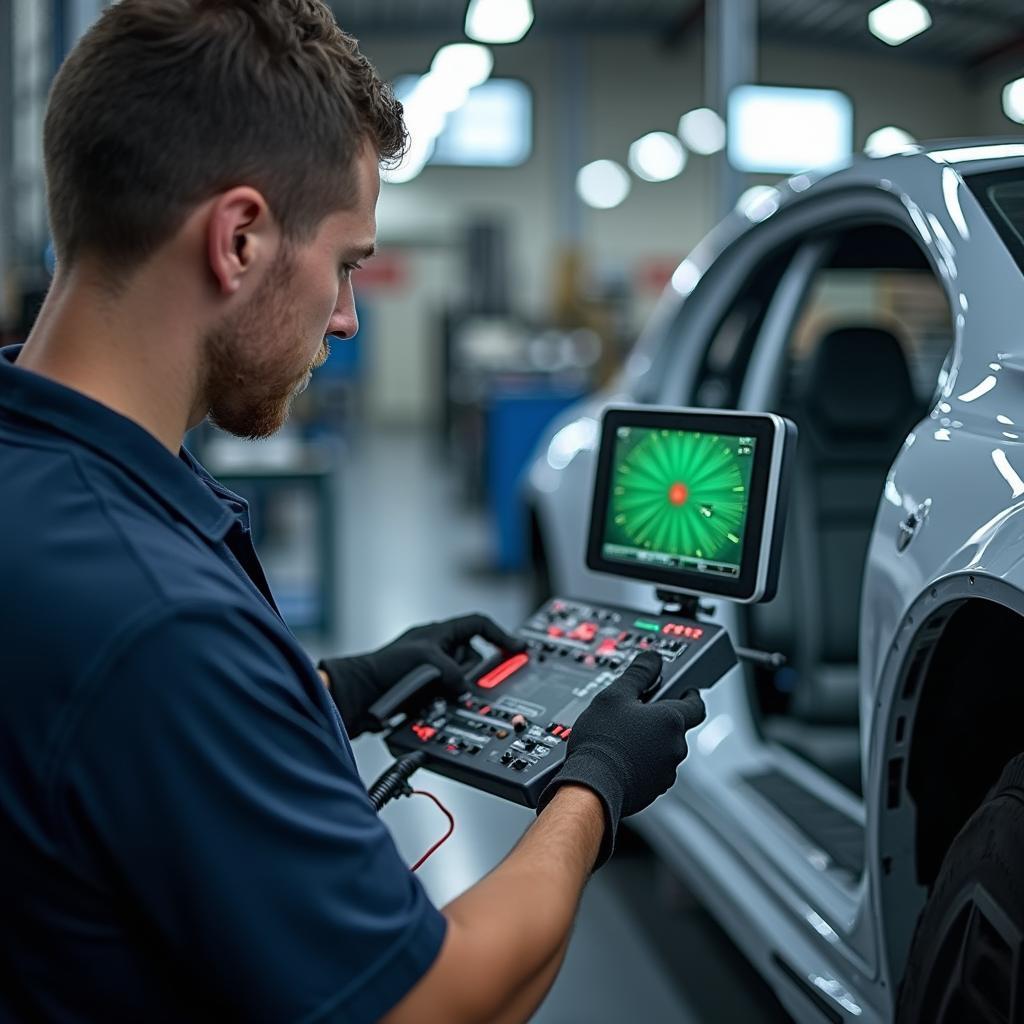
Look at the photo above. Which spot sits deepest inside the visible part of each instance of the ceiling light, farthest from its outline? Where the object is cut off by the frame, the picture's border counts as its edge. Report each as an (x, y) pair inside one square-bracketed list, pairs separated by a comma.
[(703, 131), (423, 119), (1013, 100), (888, 141), (782, 130), (439, 93), (602, 184), (498, 21), (657, 156), (898, 20), (470, 64), (419, 151)]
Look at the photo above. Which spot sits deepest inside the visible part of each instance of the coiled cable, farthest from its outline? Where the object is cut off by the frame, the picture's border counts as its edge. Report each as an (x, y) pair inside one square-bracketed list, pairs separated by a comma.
[(393, 782)]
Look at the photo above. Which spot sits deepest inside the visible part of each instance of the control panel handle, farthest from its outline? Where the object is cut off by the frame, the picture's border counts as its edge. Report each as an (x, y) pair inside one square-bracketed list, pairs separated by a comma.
[(409, 686)]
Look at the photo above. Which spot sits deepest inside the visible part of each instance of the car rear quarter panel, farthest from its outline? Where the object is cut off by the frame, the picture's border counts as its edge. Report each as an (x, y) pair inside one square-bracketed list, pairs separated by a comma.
[(962, 468)]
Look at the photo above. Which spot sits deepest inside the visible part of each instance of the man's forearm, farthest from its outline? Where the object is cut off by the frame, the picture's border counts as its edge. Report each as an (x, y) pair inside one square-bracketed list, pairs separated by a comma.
[(507, 935), (526, 1001)]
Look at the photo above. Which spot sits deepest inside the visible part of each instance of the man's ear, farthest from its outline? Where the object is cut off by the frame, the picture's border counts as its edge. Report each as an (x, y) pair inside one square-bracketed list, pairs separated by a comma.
[(241, 237)]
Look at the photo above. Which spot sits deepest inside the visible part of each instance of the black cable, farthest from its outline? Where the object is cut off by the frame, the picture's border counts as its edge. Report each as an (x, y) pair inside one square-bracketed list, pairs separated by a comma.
[(392, 782)]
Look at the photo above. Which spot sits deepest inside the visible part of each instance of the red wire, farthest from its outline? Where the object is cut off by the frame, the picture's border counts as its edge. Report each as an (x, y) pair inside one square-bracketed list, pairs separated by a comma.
[(451, 826)]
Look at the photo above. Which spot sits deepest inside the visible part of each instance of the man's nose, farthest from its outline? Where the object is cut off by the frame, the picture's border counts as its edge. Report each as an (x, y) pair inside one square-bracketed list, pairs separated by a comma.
[(344, 321)]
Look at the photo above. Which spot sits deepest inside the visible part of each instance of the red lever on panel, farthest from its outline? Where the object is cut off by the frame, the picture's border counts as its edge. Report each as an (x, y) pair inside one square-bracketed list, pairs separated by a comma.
[(502, 672)]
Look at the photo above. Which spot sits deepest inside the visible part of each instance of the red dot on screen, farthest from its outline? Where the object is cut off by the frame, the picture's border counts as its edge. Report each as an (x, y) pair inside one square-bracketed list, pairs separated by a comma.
[(678, 493)]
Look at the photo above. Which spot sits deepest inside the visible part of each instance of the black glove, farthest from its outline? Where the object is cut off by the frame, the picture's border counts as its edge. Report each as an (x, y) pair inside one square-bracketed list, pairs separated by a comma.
[(356, 683), (626, 751)]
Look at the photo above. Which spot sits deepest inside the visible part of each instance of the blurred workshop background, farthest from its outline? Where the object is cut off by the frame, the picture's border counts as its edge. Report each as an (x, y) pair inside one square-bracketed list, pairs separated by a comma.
[(565, 156)]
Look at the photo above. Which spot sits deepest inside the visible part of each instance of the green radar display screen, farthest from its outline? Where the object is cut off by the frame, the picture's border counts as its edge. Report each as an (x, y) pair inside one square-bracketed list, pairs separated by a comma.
[(679, 498), (692, 499)]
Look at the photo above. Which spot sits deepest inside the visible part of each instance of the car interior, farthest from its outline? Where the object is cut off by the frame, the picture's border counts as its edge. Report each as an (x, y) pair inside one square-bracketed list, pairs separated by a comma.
[(863, 357)]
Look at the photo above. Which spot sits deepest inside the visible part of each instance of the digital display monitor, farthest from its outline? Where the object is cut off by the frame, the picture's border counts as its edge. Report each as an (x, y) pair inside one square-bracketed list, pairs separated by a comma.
[(692, 499)]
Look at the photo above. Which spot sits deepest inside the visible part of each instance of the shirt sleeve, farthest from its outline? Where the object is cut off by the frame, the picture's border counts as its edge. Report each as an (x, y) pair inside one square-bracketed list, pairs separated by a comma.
[(212, 793)]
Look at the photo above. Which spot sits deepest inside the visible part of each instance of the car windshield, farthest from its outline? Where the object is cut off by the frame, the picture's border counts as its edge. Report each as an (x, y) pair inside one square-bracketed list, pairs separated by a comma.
[(1002, 196)]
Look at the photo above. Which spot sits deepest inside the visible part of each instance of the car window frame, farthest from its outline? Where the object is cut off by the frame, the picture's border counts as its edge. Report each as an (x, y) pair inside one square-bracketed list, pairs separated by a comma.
[(692, 328), (781, 328)]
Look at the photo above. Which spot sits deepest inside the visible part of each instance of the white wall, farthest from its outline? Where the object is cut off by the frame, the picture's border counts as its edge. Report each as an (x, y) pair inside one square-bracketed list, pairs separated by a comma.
[(632, 85)]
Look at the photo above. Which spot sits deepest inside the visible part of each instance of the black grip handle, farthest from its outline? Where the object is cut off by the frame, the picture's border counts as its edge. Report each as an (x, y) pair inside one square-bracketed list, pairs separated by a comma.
[(388, 705)]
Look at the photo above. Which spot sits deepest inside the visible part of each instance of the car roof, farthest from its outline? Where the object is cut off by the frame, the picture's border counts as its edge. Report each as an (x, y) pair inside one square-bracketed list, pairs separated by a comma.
[(918, 162), (916, 172), (1006, 151), (911, 171)]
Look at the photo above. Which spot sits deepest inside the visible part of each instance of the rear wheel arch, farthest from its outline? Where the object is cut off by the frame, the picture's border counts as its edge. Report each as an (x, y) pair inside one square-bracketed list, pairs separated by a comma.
[(954, 687)]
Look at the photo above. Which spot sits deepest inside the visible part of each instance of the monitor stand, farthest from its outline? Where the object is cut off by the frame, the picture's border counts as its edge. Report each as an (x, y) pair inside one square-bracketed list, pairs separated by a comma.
[(678, 602)]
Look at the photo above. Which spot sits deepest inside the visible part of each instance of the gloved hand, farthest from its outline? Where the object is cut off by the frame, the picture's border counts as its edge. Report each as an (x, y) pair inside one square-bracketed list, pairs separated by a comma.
[(626, 751), (357, 682)]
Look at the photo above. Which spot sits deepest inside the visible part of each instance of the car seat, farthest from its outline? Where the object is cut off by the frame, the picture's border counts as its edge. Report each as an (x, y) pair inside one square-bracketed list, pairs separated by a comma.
[(853, 404)]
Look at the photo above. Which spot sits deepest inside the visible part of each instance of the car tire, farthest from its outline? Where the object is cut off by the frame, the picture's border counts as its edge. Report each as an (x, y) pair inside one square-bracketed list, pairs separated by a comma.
[(966, 960)]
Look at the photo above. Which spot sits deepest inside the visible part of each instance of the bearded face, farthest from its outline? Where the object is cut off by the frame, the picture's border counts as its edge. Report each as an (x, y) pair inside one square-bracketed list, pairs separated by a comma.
[(256, 361)]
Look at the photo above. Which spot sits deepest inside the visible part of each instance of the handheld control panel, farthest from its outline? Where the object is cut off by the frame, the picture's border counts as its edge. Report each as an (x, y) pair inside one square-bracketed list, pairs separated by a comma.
[(507, 735), (692, 500)]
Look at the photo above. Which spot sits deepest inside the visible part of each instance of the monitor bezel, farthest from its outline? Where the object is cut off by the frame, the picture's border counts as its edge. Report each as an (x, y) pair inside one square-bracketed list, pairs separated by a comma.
[(759, 560)]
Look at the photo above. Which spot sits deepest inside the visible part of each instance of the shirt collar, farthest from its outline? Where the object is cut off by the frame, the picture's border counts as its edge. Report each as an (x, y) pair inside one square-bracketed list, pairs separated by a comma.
[(179, 483)]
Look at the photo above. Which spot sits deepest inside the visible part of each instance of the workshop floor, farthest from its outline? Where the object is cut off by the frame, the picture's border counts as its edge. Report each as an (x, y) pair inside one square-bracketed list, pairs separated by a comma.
[(643, 950)]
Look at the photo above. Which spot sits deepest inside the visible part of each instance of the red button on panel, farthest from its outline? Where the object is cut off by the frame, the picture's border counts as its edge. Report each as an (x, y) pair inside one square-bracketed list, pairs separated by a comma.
[(606, 647), (556, 631), (424, 732), (503, 671)]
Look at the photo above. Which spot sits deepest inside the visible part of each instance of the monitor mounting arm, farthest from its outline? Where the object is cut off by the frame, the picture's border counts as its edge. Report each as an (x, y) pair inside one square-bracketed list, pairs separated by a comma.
[(677, 602)]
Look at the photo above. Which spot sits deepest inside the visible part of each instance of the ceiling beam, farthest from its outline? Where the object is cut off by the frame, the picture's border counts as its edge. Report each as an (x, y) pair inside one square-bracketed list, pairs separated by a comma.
[(686, 22), (1007, 51)]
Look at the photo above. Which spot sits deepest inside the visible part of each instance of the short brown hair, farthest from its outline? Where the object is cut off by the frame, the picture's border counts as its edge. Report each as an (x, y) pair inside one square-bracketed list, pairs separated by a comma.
[(164, 103)]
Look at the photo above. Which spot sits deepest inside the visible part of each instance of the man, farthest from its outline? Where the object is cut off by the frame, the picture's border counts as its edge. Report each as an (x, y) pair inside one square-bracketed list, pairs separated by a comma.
[(184, 835)]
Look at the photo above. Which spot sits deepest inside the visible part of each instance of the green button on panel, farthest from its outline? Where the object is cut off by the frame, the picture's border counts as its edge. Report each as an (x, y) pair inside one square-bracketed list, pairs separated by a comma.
[(644, 624)]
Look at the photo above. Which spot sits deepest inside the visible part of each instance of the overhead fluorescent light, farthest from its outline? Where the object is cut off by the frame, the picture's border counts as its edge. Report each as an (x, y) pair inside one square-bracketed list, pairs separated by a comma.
[(493, 128), (778, 130), (498, 21), (889, 141), (1013, 100), (602, 184), (418, 153), (702, 131), (469, 64), (439, 93), (657, 156), (899, 20)]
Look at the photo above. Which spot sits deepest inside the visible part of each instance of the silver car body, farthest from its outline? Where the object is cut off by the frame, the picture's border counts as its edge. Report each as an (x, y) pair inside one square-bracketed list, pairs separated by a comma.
[(831, 945)]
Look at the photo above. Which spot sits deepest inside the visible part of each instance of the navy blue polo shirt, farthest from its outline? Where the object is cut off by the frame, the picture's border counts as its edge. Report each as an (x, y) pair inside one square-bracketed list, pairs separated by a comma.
[(183, 834)]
